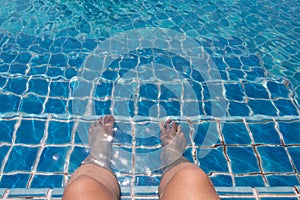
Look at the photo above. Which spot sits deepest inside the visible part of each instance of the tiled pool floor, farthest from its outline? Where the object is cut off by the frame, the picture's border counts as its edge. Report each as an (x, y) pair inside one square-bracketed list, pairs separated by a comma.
[(238, 108)]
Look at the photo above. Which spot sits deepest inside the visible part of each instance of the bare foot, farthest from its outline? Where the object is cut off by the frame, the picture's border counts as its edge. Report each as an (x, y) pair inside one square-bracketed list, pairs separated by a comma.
[(102, 126), (100, 141), (169, 130), (173, 142)]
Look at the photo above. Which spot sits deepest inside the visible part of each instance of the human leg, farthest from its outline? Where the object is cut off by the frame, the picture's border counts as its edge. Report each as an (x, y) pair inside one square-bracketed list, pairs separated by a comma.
[(94, 179), (181, 179)]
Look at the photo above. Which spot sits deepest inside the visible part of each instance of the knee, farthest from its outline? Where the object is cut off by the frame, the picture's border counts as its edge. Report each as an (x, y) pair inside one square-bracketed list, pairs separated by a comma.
[(85, 187), (192, 174)]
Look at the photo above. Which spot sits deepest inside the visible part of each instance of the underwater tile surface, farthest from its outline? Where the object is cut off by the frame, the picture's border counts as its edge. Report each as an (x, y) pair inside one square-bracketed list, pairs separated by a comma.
[(238, 106)]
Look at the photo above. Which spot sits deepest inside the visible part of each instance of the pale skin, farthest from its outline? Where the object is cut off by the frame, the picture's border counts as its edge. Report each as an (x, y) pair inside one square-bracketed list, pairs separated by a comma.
[(189, 183)]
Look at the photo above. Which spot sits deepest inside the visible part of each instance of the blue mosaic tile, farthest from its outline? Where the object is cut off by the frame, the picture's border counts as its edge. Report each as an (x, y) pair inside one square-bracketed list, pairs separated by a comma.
[(89, 44), (125, 181), (150, 91), (295, 154), (172, 107), (23, 57), (54, 72), (4, 67), (252, 181), (45, 42), (24, 40), (147, 181), (47, 181), (71, 44), (123, 133), (81, 132), (251, 60), (14, 181), (21, 158), (201, 131), (16, 85), (221, 180), (59, 89), (285, 107), (215, 108), (235, 133), (234, 92), (278, 90), (192, 108), (274, 159), (70, 73), (262, 107), (9, 103), (80, 89), (288, 131), (189, 154), (18, 69), (147, 134), (243, 160), (37, 70), (32, 104), (236, 74), (38, 86), (52, 159), (77, 156), (103, 89), (30, 132), (58, 60), (233, 62), (239, 58), (102, 107), (214, 161), (7, 57), (254, 73), (238, 109), (3, 80), (265, 133), (3, 152), (40, 60), (59, 132), (56, 106), (6, 130), (282, 180), (256, 91), (110, 75)]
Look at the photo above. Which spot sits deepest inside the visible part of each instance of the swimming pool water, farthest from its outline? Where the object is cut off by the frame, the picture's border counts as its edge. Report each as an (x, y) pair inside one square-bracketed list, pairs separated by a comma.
[(238, 106)]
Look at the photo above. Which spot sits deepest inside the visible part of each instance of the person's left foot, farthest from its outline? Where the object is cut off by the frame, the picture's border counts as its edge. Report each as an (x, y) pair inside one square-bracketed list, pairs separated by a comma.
[(100, 141), (173, 142)]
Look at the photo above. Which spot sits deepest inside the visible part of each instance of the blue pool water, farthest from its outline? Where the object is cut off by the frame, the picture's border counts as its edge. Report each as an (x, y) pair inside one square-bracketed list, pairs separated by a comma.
[(227, 71)]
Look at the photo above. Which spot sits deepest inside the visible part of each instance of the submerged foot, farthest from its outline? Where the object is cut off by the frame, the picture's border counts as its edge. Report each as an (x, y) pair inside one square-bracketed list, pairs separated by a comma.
[(174, 143), (100, 141), (102, 126)]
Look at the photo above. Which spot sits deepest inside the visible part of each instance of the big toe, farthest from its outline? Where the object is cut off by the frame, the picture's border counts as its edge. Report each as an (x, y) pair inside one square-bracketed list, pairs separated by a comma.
[(109, 120)]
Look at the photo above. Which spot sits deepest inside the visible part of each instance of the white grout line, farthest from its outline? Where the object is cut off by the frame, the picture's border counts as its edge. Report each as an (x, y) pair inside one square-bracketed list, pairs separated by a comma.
[(5, 159), (67, 159), (49, 194), (40, 151)]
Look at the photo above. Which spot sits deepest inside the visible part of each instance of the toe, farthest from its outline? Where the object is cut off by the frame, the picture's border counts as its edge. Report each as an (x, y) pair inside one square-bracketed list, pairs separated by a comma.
[(174, 126), (109, 120), (100, 120), (161, 125), (168, 124)]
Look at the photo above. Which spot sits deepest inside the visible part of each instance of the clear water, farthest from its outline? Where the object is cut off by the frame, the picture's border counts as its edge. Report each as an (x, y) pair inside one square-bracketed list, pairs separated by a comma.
[(227, 71)]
